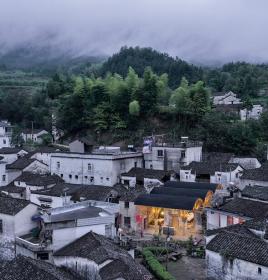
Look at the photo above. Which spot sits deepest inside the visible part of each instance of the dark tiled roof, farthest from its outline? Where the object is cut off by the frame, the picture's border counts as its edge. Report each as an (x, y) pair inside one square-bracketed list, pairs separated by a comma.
[(166, 201), (191, 185), (46, 149), (94, 192), (239, 246), (59, 190), (21, 163), (132, 193), (245, 207), (209, 167), (259, 224), (237, 228), (11, 188), (33, 179), (257, 174), (256, 192), (12, 206), (180, 192), (141, 173), (24, 268), (99, 249), (7, 150)]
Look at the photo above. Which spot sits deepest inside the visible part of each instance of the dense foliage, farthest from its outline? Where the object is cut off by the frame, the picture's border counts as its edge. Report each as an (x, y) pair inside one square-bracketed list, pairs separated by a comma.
[(141, 100)]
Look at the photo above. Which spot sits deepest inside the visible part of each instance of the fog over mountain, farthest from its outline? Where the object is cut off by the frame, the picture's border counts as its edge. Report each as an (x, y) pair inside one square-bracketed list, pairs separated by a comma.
[(200, 31)]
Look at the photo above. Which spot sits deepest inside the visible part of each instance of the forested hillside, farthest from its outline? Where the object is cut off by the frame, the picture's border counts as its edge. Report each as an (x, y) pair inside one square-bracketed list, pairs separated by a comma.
[(139, 92)]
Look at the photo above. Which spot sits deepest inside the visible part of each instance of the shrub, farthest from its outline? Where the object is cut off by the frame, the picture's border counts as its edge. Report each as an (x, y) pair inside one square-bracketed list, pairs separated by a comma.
[(154, 265)]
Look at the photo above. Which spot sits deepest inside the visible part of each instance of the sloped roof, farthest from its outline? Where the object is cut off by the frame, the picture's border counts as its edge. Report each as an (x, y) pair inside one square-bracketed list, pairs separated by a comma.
[(180, 192), (259, 224), (191, 185), (8, 150), (240, 246), (166, 201), (11, 188), (141, 173), (24, 268), (21, 163), (237, 228), (257, 174), (256, 192), (209, 167), (33, 179), (98, 248), (245, 207), (33, 131), (12, 206)]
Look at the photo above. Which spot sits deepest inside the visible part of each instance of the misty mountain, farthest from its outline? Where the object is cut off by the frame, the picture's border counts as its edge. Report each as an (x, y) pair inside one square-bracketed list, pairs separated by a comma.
[(140, 58), (45, 59)]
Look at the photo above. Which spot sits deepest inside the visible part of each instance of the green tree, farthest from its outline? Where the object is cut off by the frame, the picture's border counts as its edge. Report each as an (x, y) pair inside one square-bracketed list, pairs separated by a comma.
[(134, 108)]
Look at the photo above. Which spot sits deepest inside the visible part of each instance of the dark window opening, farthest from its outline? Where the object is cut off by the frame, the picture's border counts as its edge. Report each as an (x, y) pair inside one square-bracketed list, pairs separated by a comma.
[(160, 153), (126, 204), (127, 221), (43, 256)]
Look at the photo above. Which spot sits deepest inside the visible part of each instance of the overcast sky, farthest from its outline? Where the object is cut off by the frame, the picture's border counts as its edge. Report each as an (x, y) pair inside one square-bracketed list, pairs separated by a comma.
[(196, 30)]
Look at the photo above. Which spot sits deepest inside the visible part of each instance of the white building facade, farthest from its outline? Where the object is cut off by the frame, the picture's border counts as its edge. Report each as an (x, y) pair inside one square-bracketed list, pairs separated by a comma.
[(95, 168), (5, 134)]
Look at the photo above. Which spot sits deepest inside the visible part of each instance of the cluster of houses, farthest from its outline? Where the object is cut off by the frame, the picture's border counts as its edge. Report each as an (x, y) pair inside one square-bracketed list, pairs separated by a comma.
[(62, 209), (228, 102)]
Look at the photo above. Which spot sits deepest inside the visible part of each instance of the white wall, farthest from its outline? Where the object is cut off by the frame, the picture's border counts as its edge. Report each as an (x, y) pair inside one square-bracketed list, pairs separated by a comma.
[(43, 157), (220, 269), (57, 201), (128, 212), (64, 236), (105, 170)]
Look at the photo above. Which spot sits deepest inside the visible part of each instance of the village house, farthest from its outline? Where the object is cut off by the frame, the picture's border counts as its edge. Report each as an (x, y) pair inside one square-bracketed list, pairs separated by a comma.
[(148, 178), (225, 98), (103, 166), (251, 114), (176, 207), (43, 154), (234, 211), (24, 164), (12, 154), (82, 145), (95, 255), (212, 172), (5, 133), (25, 268), (237, 252), (15, 220), (63, 225), (257, 176), (33, 135), (164, 156)]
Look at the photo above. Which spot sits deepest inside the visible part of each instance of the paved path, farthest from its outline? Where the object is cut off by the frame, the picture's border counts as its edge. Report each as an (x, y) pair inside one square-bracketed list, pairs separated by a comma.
[(188, 269)]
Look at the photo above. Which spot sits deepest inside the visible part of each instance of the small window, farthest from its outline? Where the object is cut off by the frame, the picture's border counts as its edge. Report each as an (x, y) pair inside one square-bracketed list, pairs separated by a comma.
[(70, 176), (151, 166), (135, 164), (182, 154), (259, 270), (4, 141), (86, 177), (237, 175), (61, 175), (19, 183), (89, 167), (1, 226), (101, 178), (42, 256), (76, 177), (127, 221), (3, 178), (107, 179), (122, 166), (91, 179), (58, 164), (160, 153), (126, 204)]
